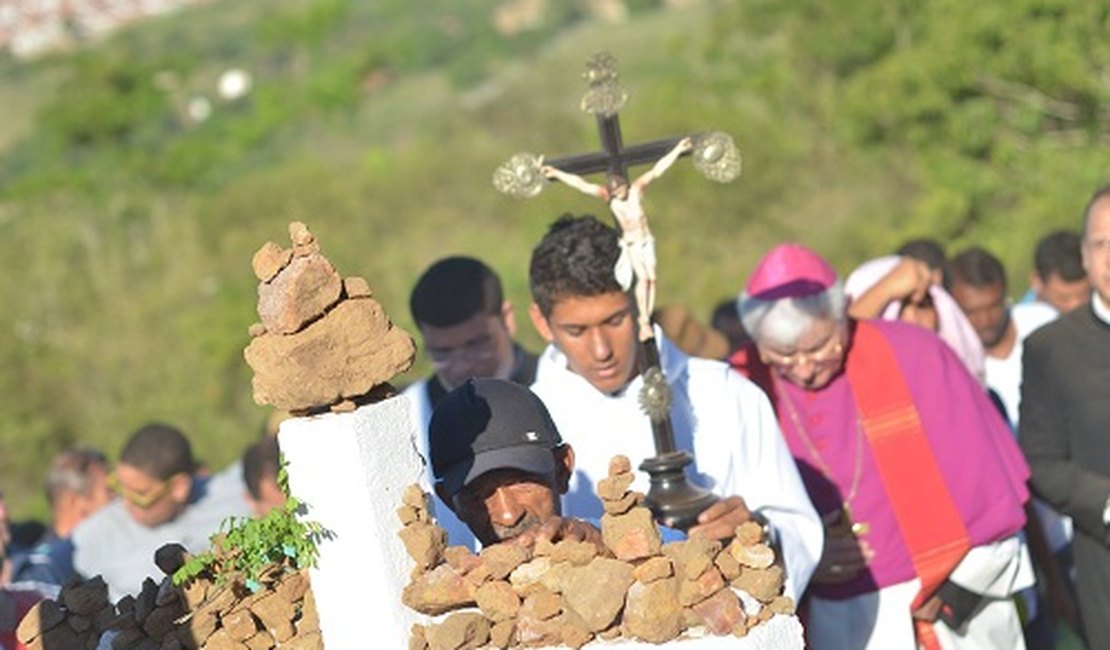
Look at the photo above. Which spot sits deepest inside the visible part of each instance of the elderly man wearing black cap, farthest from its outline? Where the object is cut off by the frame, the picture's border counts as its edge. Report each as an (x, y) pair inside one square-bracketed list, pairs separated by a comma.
[(500, 464)]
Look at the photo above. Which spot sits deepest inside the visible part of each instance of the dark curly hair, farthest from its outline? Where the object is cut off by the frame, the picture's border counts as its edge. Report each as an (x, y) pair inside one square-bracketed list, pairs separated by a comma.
[(575, 258)]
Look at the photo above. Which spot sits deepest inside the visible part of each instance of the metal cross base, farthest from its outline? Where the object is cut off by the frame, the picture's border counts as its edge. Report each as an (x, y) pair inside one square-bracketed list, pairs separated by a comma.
[(675, 502)]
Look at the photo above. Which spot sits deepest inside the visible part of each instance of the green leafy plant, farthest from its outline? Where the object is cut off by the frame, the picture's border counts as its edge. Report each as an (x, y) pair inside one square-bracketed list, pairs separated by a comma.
[(248, 549)]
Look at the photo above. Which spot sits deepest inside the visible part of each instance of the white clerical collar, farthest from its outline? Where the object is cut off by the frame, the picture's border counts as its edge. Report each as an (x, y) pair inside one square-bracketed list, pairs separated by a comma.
[(1102, 310)]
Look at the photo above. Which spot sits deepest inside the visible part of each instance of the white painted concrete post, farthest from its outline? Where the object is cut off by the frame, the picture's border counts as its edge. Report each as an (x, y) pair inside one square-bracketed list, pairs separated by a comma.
[(350, 470)]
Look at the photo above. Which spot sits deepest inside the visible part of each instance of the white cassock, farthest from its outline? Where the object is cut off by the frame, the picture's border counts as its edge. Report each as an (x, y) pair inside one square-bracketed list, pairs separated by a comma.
[(724, 419), (881, 620)]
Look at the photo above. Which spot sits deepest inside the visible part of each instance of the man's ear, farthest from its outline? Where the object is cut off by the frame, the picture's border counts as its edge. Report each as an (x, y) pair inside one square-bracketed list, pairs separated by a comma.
[(564, 467), (508, 318), (181, 485), (444, 497), (539, 321)]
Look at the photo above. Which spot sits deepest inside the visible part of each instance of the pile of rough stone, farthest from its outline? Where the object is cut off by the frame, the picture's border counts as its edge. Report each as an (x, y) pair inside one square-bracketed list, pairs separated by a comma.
[(200, 614), (323, 342), (568, 594)]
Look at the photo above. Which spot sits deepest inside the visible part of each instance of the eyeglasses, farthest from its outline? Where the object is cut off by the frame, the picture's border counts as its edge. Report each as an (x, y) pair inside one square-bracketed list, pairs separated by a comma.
[(477, 349), (142, 500), (829, 352)]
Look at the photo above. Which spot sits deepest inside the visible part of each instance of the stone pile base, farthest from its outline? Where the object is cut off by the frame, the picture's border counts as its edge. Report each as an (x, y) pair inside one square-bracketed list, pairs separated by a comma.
[(200, 614)]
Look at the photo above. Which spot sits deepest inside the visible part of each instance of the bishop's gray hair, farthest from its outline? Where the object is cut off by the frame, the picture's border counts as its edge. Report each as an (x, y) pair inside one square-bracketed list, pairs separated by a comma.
[(783, 321)]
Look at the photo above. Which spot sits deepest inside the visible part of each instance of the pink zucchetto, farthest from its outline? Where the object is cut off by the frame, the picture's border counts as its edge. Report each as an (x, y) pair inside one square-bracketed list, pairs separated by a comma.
[(790, 271)]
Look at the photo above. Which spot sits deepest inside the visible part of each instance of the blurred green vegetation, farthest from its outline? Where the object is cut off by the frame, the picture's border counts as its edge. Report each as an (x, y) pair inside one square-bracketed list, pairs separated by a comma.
[(128, 231)]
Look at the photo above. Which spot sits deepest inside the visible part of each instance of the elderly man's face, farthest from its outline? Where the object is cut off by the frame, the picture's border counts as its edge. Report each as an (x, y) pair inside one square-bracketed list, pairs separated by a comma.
[(503, 503), (814, 361)]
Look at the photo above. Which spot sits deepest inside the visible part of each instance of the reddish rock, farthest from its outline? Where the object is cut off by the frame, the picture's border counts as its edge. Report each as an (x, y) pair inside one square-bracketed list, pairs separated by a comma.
[(293, 586), (344, 355), (614, 487), (756, 556), (276, 615), (541, 605), (424, 543), (497, 600), (302, 292), (577, 553), (528, 576), (631, 536), (356, 287), (459, 631), (461, 558), (653, 569), (693, 556), (438, 591), (623, 504), (695, 591), (762, 584), (721, 612), (652, 612), (782, 605), (221, 640), (596, 591), (240, 624), (749, 533), (501, 559), (727, 565), (501, 634), (619, 465), (269, 260)]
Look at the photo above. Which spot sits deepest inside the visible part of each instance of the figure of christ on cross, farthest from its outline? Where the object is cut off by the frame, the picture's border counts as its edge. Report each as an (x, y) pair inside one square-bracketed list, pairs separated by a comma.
[(637, 258)]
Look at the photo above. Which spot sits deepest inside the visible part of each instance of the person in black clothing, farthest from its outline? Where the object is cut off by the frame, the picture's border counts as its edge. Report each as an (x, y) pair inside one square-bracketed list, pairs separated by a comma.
[(1065, 416)]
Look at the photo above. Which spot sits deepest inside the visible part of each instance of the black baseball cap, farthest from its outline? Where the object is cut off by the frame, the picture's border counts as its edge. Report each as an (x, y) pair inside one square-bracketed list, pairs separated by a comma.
[(489, 424)]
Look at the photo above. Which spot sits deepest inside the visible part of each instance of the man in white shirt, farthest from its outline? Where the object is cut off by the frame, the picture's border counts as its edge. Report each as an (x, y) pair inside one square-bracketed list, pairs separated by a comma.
[(589, 379)]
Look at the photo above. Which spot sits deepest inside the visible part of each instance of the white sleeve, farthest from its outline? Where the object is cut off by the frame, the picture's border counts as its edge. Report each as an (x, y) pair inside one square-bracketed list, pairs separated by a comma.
[(998, 569)]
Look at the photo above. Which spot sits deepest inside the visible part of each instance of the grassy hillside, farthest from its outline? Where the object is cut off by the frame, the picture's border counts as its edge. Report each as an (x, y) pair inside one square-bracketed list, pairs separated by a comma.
[(127, 233)]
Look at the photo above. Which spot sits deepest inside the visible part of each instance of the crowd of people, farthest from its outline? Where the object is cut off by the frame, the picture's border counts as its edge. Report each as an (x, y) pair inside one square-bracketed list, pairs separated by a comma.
[(929, 459)]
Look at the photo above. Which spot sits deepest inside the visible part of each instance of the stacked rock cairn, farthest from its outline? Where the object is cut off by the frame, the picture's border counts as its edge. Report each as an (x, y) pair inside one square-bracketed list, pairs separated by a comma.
[(206, 612), (567, 593), (323, 341)]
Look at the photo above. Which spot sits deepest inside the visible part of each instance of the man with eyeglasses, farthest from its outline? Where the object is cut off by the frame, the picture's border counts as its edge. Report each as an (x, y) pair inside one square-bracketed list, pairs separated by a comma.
[(1065, 422), (917, 479), (162, 499), (468, 328)]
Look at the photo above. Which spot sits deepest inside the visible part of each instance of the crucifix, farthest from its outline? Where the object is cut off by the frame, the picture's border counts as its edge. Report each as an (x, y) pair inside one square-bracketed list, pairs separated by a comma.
[(672, 498)]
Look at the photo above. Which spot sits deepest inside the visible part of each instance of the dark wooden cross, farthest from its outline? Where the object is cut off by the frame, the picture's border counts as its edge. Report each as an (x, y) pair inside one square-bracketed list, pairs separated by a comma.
[(673, 499)]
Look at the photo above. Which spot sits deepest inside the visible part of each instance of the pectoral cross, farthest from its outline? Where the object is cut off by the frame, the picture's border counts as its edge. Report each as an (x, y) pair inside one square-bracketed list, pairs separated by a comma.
[(675, 502)]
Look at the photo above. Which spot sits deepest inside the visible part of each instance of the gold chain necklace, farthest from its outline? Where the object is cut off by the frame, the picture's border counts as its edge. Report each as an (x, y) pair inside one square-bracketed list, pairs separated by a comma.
[(857, 527)]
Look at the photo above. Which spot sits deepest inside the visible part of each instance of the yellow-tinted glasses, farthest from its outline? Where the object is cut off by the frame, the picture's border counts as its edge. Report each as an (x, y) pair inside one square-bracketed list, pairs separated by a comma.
[(141, 499)]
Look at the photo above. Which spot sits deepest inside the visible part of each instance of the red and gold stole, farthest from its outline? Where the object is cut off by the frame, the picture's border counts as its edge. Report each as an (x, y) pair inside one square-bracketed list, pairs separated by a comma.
[(930, 524)]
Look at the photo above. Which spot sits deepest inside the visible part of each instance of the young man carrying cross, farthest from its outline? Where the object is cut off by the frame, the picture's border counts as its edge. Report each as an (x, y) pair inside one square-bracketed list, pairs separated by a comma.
[(588, 377)]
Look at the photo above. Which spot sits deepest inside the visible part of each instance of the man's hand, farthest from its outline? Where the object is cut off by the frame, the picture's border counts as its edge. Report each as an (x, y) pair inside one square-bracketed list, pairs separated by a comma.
[(557, 529), (719, 521), (930, 610)]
